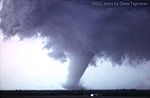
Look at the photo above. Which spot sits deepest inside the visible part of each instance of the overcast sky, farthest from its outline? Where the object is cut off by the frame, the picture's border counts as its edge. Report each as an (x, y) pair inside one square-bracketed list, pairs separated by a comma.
[(26, 65), (59, 44)]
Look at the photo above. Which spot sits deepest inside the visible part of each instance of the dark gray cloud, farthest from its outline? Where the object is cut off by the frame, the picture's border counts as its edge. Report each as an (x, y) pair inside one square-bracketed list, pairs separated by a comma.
[(80, 30)]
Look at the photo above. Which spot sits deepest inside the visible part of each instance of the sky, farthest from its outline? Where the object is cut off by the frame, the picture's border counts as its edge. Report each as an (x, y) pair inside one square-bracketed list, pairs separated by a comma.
[(62, 42), (25, 65)]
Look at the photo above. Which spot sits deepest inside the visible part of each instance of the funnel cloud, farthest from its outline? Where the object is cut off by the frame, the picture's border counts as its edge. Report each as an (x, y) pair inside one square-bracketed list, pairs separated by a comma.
[(81, 31)]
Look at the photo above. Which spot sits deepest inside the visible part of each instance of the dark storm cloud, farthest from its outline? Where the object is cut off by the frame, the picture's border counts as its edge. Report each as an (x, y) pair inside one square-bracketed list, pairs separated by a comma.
[(79, 30)]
